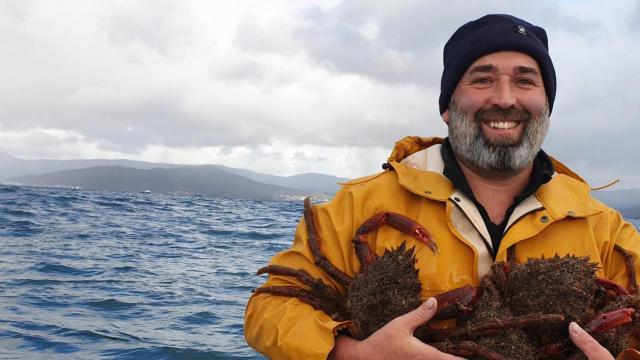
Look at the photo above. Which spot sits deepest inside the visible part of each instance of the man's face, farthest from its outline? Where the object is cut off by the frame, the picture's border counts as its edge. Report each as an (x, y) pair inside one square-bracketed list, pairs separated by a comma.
[(499, 115)]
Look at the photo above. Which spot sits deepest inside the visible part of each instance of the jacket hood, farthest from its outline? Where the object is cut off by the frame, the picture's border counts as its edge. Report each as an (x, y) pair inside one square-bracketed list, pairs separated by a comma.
[(412, 144)]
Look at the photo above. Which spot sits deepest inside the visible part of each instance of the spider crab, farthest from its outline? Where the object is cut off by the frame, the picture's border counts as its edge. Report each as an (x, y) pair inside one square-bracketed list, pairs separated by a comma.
[(506, 317), (565, 286)]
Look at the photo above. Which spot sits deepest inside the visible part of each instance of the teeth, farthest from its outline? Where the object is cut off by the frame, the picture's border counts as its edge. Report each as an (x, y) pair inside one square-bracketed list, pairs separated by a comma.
[(502, 124)]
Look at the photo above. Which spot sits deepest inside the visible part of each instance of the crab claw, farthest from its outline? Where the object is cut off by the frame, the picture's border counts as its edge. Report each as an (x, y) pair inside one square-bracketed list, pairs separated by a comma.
[(400, 223)]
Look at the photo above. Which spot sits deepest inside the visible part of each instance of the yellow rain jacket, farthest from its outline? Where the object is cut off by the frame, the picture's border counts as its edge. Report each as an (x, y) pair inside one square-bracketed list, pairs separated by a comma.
[(560, 218)]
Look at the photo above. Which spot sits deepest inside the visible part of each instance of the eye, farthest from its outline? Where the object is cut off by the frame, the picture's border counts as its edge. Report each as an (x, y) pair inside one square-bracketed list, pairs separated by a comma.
[(482, 81), (525, 81)]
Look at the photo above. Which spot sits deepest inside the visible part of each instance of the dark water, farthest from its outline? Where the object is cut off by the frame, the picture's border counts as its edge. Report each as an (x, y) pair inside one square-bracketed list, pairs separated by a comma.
[(87, 275)]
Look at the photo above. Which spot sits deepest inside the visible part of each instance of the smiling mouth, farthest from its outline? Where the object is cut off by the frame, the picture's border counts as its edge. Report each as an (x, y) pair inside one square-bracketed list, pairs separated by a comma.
[(502, 124)]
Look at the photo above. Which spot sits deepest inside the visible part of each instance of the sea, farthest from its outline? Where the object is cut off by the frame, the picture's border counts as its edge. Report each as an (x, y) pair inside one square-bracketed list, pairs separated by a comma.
[(111, 275)]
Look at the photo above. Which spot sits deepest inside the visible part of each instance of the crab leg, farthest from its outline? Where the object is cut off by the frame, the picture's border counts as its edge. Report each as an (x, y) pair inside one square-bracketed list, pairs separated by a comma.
[(492, 326), (364, 252), (306, 296), (400, 223), (632, 285), (467, 348), (554, 349), (609, 320), (319, 288), (456, 302), (599, 324), (314, 243), (610, 285)]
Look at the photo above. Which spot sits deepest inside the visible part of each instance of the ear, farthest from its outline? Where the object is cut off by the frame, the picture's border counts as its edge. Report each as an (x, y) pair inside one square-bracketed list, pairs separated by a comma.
[(445, 117)]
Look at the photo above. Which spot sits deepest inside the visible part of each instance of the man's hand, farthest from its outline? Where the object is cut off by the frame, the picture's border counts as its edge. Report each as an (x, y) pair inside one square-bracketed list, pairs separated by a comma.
[(393, 341), (589, 346)]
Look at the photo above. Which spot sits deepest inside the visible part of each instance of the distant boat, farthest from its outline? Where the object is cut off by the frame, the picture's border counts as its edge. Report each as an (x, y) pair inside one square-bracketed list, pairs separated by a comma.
[(145, 192)]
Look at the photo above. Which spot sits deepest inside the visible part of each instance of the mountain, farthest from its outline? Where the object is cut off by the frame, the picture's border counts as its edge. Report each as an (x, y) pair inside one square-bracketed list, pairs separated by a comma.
[(11, 167), (204, 180), (121, 175), (315, 182)]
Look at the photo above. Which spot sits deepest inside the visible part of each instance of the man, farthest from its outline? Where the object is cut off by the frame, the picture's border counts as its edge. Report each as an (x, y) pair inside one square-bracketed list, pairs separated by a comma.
[(485, 189)]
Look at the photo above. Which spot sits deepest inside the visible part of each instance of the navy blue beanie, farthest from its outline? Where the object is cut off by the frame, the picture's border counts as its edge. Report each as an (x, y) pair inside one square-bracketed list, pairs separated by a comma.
[(489, 34)]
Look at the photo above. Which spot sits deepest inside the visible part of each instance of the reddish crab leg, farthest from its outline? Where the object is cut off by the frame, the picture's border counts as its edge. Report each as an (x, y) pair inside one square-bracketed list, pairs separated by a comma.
[(632, 285), (609, 320), (610, 285), (467, 348), (364, 252), (316, 285), (456, 302), (554, 349), (400, 223), (306, 296), (600, 323), (314, 243), (492, 326)]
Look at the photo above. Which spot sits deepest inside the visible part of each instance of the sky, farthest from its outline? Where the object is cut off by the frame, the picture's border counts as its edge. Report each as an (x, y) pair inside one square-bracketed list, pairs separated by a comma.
[(292, 86)]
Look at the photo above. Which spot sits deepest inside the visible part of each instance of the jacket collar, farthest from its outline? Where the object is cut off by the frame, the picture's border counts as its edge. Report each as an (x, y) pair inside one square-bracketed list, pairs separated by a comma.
[(412, 159), (418, 164)]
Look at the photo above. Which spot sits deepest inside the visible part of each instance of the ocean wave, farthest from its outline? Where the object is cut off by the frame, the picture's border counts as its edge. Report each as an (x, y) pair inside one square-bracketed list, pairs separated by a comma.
[(39, 343), (200, 318), (240, 234), (22, 282), (63, 269), (93, 335), (115, 205), (21, 228), (173, 353), (18, 213), (110, 304), (130, 276)]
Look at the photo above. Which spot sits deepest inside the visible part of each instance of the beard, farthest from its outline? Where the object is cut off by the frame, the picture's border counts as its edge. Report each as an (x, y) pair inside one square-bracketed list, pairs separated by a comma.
[(504, 153)]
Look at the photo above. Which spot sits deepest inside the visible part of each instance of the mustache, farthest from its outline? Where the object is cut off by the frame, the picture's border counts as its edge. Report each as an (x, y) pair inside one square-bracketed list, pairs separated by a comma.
[(499, 114)]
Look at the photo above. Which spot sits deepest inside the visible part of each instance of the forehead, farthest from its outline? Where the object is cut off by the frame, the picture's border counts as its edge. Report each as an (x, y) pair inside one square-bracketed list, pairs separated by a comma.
[(506, 61)]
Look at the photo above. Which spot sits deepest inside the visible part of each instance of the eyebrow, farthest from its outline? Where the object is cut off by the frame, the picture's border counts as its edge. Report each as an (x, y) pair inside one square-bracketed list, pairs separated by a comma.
[(487, 68), (482, 69), (526, 70)]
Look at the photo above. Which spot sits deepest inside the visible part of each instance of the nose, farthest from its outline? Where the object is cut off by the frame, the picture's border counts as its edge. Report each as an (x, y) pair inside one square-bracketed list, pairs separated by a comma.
[(503, 95)]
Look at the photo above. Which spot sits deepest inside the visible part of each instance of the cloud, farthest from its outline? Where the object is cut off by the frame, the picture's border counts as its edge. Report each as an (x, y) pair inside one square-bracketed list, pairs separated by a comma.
[(634, 15), (51, 144), (403, 41), (324, 86), (252, 35), (161, 25), (596, 103)]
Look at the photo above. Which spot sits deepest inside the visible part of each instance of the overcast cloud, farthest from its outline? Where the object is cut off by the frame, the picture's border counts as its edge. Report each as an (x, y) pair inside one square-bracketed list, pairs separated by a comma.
[(292, 86)]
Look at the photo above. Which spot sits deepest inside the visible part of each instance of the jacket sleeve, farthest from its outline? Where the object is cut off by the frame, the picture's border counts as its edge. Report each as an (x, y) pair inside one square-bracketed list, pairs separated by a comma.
[(285, 327), (625, 235)]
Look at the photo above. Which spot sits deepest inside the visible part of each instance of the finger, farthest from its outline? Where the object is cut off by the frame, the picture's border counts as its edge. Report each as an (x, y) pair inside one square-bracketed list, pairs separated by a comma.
[(588, 345), (419, 316)]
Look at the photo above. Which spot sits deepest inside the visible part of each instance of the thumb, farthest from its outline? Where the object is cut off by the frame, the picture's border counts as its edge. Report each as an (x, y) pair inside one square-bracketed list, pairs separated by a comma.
[(420, 315), (588, 345)]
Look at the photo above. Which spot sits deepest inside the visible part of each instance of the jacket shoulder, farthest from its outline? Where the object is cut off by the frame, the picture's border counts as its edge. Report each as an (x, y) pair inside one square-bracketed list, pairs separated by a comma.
[(386, 180), (362, 179)]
